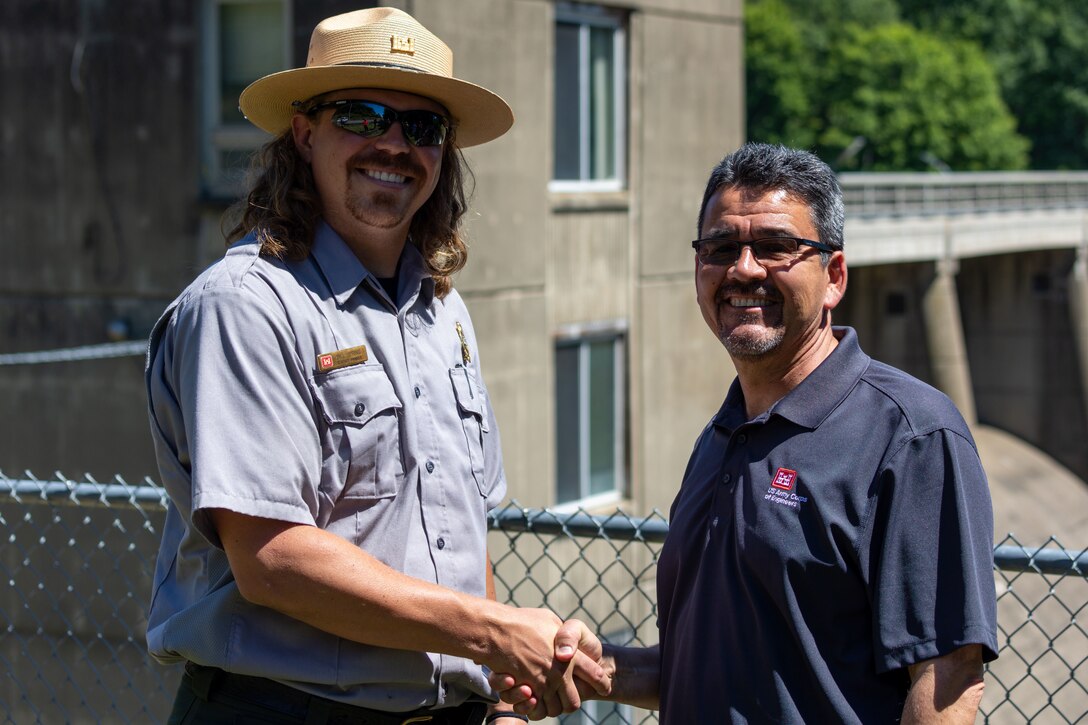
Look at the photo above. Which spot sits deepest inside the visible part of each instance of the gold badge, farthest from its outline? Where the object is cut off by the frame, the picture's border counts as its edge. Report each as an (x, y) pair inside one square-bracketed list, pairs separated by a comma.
[(466, 354), (402, 44), (327, 361)]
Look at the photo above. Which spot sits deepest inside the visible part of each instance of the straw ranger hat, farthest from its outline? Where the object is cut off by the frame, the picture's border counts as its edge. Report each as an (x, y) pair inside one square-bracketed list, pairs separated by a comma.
[(377, 48)]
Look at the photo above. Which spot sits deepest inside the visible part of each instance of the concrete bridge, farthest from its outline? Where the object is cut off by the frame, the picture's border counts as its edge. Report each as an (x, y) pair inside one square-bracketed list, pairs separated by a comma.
[(977, 283)]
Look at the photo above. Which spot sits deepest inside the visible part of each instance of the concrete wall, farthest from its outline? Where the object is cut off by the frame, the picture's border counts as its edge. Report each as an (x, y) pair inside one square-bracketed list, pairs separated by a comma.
[(541, 260), (884, 304), (689, 115), (1022, 350), (99, 189)]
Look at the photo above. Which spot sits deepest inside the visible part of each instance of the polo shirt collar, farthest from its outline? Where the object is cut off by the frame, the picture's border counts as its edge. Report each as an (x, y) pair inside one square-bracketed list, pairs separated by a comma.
[(818, 394), (344, 272)]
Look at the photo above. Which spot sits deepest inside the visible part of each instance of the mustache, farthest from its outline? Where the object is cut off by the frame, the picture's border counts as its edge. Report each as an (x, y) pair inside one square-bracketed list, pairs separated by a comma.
[(402, 165), (759, 291)]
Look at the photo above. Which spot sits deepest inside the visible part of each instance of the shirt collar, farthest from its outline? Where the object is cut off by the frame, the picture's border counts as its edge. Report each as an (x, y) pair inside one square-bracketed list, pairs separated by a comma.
[(344, 272), (818, 394), (414, 275)]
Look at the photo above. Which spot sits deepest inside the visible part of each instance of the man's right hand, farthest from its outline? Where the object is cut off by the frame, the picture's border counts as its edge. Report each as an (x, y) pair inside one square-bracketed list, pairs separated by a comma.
[(575, 648), (556, 663)]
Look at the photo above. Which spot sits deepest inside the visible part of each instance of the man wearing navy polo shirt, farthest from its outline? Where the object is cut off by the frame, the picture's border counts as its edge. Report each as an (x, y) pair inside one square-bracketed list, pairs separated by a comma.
[(829, 558)]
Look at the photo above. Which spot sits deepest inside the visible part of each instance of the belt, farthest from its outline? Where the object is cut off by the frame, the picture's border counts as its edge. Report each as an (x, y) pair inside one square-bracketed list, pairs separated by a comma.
[(215, 685)]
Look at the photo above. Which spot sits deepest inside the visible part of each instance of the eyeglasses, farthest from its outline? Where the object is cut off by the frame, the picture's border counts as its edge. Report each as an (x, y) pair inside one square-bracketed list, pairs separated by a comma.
[(370, 120), (768, 251)]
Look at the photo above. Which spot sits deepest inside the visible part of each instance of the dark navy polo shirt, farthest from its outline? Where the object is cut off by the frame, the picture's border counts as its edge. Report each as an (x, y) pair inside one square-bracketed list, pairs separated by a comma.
[(817, 550)]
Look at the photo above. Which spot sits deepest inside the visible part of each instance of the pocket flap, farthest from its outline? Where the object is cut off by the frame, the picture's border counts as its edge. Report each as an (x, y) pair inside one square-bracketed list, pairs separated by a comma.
[(469, 398), (354, 396)]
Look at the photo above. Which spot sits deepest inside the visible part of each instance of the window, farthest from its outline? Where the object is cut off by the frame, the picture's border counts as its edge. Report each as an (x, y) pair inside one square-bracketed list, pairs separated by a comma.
[(243, 40), (590, 106), (590, 415)]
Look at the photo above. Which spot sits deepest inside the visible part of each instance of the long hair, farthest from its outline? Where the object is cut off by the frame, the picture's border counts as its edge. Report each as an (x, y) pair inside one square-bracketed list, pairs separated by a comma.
[(764, 167), (283, 208)]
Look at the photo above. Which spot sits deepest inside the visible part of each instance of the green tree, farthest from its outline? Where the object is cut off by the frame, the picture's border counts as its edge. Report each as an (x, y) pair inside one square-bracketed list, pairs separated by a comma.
[(778, 77), (1039, 49), (822, 21), (787, 43), (917, 102)]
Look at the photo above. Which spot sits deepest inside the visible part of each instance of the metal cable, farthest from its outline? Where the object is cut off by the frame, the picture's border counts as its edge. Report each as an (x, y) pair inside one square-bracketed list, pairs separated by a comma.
[(73, 354)]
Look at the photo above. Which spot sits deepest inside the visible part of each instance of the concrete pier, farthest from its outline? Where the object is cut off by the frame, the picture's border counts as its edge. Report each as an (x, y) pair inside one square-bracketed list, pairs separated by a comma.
[(1078, 312), (944, 335)]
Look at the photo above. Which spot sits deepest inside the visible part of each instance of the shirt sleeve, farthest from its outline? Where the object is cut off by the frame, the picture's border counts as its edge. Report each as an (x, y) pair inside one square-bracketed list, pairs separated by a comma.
[(249, 417), (931, 565)]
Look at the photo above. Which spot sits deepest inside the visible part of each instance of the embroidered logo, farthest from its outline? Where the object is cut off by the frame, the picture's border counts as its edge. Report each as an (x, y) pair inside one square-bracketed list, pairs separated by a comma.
[(784, 479), (782, 490)]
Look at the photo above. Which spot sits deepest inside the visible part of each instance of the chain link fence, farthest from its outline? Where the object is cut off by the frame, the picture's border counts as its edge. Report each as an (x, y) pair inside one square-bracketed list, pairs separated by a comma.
[(79, 557)]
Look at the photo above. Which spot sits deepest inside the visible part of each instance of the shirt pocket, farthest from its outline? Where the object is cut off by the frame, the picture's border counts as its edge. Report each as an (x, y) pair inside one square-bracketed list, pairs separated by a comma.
[(472, 405), (363, 414)]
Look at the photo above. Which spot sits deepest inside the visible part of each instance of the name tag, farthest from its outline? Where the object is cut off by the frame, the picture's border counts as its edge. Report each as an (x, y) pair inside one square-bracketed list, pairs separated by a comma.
[(347, 357)]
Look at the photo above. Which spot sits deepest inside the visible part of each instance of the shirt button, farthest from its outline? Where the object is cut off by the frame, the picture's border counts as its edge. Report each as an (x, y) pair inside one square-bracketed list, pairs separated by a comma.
[(416, 391), (359, 408), (441, 543), (430, 466), (727, 478), (742, 438)]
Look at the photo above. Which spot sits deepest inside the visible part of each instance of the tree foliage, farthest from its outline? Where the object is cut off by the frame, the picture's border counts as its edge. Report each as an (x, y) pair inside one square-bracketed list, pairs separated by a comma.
[(918, 102), (1039, 49), (822, 21), (868, 92), (778, 77)]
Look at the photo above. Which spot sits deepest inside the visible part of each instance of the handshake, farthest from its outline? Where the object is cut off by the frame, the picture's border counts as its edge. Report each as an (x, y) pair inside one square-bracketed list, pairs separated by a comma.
[(545, 667)]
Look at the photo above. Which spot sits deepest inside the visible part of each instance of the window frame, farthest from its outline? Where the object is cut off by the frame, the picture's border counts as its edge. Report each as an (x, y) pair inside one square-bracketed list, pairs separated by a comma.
[(217, 137), (588, 17), (581, 337)]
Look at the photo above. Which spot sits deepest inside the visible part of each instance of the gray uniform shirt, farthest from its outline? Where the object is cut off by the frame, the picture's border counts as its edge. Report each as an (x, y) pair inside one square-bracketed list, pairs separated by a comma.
[(254, 408)]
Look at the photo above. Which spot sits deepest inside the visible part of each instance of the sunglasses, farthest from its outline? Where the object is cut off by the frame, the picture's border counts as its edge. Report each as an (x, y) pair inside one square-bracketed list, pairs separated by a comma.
[(370, 120), (772, 250)]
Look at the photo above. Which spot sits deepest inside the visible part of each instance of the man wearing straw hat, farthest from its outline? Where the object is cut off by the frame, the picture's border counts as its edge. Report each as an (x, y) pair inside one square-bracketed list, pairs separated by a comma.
[(321, 423)]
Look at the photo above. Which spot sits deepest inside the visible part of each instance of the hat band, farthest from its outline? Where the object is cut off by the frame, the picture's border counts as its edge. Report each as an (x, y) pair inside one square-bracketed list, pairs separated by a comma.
[(394, 66)]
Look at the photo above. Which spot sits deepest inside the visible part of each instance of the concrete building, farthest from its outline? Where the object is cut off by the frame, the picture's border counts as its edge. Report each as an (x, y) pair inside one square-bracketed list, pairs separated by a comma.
[(124, 146), (125, 149)]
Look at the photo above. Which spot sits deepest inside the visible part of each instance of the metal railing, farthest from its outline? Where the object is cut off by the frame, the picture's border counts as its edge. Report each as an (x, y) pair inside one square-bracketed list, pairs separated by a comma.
[(79, 556), (899, 194)]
